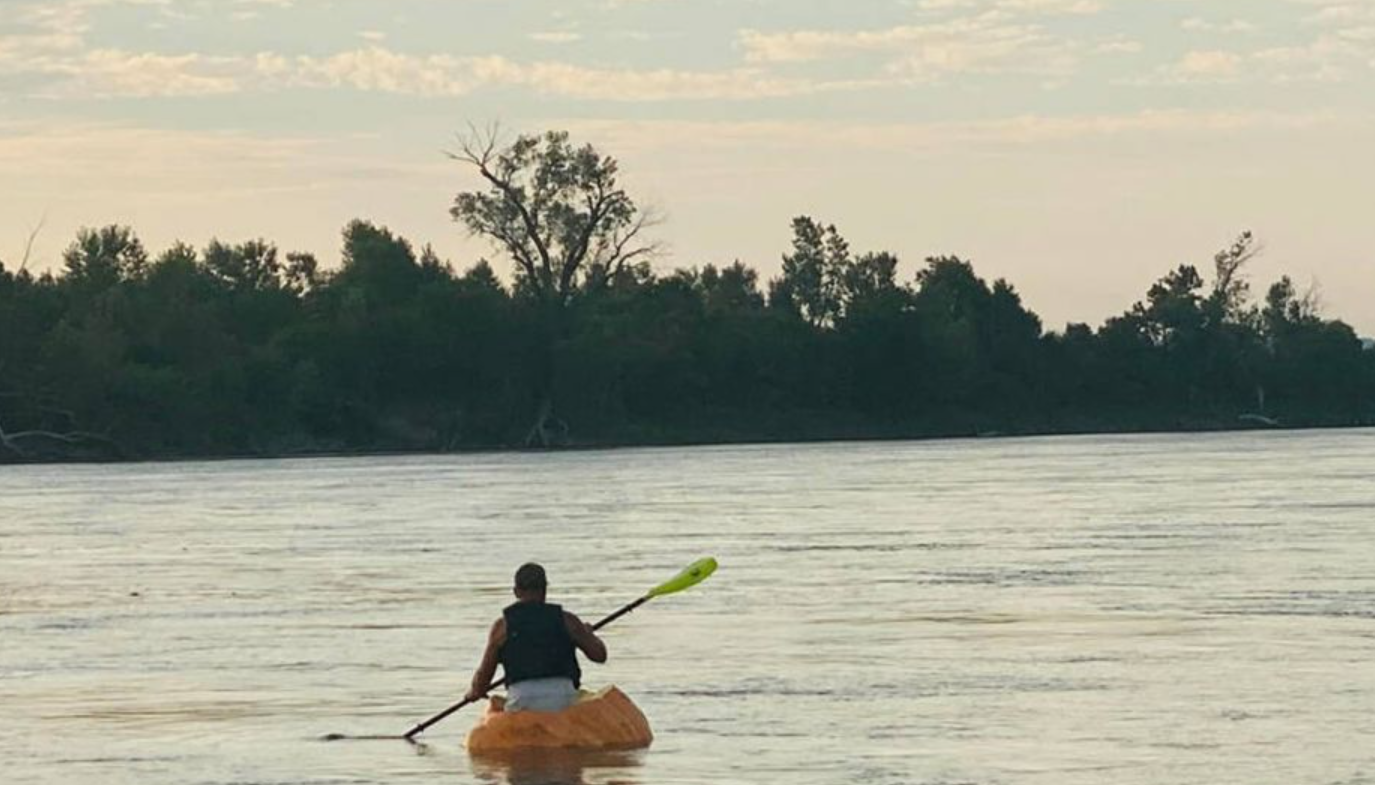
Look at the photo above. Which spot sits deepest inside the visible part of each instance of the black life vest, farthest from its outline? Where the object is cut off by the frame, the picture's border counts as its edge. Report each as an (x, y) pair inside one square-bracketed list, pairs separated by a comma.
[(538, 645)]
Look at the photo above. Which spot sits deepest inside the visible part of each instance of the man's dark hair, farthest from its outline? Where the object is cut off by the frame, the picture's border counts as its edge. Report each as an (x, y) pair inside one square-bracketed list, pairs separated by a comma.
[(530, 577)]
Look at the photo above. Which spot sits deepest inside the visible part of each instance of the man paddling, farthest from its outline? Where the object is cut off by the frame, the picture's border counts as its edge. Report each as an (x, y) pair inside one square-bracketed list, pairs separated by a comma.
[(536, 644)]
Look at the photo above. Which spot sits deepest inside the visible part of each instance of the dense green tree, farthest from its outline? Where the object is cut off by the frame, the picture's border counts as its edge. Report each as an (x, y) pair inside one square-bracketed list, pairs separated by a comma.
[(101, 258), (732, 289), (814, 273), (1315, 365), (870, 283)]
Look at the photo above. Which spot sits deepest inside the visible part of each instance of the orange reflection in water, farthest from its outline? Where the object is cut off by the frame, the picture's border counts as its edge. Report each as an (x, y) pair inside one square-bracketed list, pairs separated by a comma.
[(559, 767)]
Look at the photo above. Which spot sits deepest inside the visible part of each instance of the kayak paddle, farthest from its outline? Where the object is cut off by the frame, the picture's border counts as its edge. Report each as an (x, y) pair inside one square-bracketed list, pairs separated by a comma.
[(694, 574)]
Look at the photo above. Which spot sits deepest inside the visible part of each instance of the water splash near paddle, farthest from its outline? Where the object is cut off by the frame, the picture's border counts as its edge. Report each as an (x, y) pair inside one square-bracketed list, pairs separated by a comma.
[(350, 737)]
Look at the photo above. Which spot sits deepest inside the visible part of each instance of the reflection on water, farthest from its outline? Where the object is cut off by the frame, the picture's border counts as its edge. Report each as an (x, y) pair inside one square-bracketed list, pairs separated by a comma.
[(558, 767), (1135, 610)]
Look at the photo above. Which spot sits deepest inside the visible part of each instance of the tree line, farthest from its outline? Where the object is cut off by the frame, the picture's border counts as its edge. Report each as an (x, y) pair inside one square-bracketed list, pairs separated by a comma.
[(240, 349)]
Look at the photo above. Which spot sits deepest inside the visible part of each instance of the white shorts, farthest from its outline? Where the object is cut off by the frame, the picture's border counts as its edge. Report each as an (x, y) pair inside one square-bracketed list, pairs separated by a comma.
[(554, 694)]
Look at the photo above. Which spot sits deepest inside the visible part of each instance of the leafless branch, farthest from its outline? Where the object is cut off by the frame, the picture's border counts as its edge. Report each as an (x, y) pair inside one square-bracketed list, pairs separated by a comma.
[(478, 148), (1228, 264), (28, 246), (478, 145), (1312, 300), (621, 254)]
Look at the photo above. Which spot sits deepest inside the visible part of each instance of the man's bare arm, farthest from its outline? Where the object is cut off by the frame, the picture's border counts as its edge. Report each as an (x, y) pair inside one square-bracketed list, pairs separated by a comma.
[(584, 638), (487, 669)]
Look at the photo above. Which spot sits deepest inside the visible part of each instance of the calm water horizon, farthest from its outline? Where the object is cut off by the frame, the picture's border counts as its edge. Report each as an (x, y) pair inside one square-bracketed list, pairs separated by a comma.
[(1166, 608)]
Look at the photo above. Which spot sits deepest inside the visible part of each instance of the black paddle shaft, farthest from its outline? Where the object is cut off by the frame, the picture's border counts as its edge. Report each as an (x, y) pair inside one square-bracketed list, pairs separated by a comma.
[(418, 729)]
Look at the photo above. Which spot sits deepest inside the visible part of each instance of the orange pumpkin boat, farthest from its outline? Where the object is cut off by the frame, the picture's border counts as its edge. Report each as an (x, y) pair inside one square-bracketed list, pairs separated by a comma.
[(605, 720)]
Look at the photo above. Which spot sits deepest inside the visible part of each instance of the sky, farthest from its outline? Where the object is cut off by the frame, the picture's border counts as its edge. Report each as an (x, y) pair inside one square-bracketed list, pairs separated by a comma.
[(1079, 148)]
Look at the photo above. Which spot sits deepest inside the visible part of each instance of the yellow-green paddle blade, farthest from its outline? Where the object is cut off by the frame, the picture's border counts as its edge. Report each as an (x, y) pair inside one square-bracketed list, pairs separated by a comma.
[(693, 575)]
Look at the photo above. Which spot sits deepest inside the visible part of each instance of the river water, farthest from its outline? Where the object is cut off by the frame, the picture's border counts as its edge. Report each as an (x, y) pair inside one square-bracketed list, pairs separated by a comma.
[(1146, 609)]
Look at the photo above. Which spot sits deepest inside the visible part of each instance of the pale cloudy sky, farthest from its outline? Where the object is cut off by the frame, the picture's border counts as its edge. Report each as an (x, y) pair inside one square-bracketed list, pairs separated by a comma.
[(1080, 148)]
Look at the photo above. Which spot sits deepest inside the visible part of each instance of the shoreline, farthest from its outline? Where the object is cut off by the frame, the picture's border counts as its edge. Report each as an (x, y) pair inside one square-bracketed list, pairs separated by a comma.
[(608, 445)]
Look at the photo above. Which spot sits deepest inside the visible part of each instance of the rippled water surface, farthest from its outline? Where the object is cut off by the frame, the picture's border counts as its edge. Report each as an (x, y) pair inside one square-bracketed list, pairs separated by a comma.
[(1160, 609)]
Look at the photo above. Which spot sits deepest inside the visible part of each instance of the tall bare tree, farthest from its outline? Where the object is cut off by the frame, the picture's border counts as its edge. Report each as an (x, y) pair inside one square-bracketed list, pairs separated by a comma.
[(560, 213), (556, 209), (1230, 288)]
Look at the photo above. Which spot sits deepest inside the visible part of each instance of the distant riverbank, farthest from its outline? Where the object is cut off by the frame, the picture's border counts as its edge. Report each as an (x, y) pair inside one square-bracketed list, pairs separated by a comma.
[(233, 351), (718, 437)]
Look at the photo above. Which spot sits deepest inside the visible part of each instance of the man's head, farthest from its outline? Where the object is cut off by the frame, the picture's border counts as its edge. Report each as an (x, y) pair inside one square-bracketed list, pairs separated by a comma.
[(531, 582)]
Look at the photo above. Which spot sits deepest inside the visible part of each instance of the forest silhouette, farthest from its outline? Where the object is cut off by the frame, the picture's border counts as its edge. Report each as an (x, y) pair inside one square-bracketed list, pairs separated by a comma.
[(240, 349)]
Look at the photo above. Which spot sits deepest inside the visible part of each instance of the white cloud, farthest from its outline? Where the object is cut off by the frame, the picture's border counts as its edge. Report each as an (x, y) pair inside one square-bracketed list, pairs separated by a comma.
[(35, 32), (1196, 24), (51, 45), (1119, 45), (1338, 12), (662, 84), (111, 72), (1330, 58), (923, 53), (1033, 7), (50, 41), (375, 69), (1340, 48), (555, 37), (1209, 65), (382, 70)]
